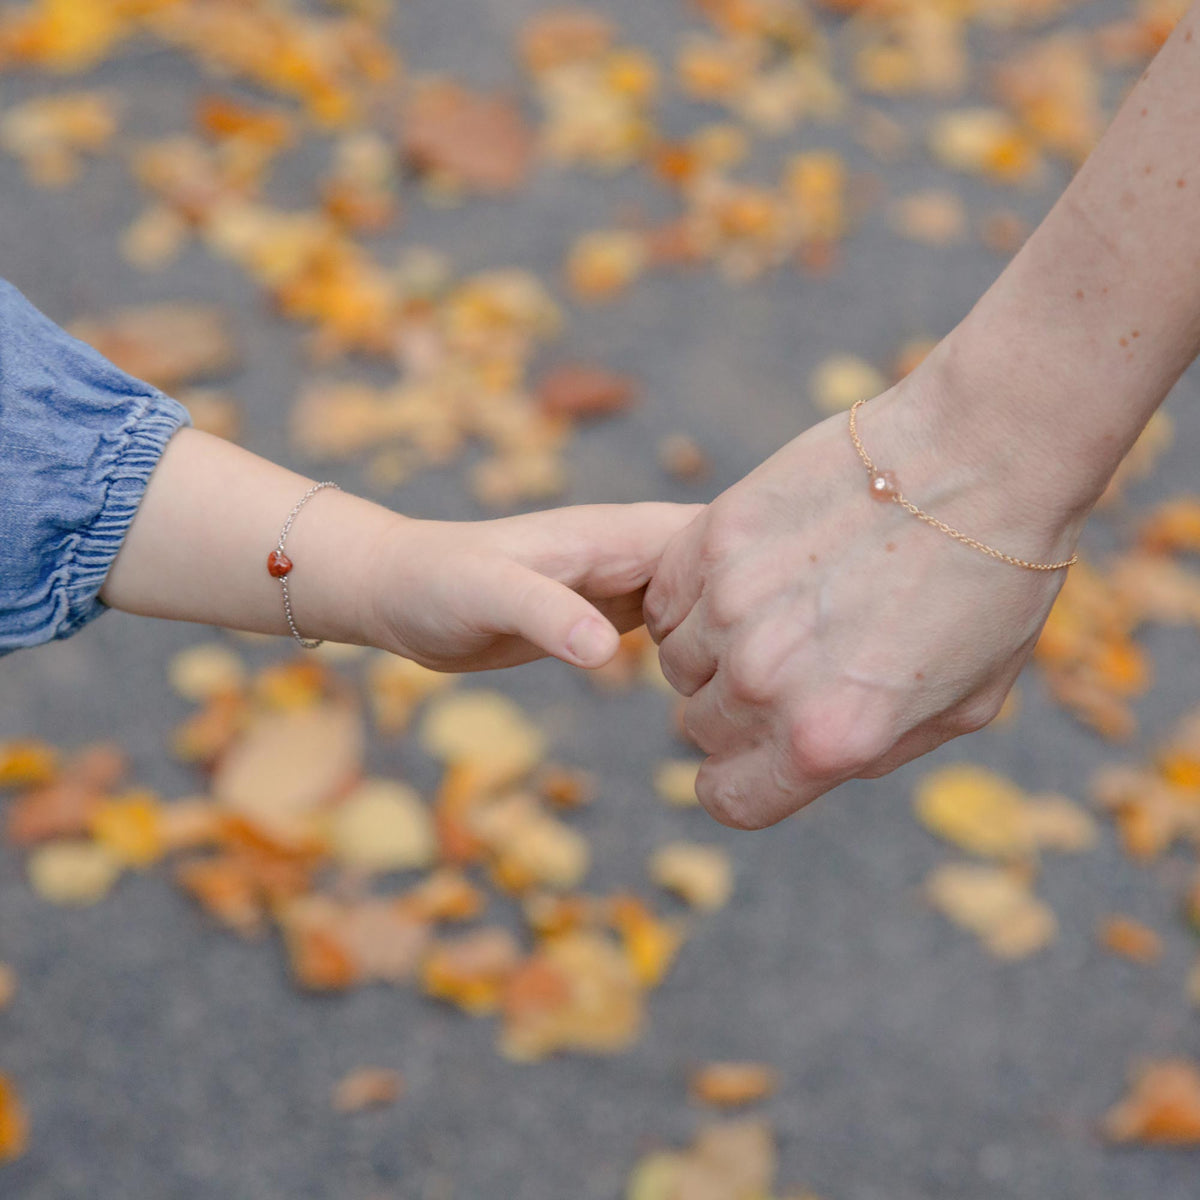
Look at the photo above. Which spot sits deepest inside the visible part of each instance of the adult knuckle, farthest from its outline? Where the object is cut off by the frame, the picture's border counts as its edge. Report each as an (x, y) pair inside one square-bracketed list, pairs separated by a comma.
[(670, 668), (658, 592), (725, 601), (725, 801), (834, 740), (750, 675), (811, 750), (724, 532), (974, 715), (654, 605)]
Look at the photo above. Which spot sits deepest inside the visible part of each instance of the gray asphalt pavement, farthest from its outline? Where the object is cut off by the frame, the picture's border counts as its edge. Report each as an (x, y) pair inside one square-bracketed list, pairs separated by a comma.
[(162, 1059)]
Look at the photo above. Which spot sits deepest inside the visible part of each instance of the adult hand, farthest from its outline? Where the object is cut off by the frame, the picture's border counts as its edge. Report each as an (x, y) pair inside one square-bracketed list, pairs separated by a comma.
[(821, 634)]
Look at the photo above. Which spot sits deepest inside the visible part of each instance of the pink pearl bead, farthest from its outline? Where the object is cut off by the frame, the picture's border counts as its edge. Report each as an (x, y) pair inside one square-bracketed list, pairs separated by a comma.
[(883, 485)]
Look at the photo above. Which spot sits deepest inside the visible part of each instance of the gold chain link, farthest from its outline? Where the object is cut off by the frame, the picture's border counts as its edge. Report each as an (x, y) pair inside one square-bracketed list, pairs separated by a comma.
[(949, 530)]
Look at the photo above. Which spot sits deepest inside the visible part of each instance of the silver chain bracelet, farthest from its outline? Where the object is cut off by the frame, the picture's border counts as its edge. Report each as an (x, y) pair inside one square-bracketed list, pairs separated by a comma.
[(279, 565)]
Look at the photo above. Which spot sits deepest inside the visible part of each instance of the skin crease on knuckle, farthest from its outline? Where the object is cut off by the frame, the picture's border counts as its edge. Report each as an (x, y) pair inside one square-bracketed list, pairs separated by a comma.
[(730, 526), (654, 606), (755, 803), (751, 670), (696, 732), (974, 715), (724, 801), (673, 673), (663, 606)]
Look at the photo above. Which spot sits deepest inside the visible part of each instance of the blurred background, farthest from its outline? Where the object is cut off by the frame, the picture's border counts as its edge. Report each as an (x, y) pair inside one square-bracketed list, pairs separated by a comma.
[(470, 257)]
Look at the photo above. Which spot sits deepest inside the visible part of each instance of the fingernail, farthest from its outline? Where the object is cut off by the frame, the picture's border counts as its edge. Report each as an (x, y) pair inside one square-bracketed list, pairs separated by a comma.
[(588, 640)]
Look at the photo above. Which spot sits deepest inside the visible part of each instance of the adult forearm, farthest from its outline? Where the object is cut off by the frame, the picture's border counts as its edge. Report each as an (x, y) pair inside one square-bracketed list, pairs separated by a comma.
[(212, 512), (1065, 358)]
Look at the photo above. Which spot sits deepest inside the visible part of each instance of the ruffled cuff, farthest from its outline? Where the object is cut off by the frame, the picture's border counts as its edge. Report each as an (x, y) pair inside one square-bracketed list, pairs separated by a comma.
[(84, 569)]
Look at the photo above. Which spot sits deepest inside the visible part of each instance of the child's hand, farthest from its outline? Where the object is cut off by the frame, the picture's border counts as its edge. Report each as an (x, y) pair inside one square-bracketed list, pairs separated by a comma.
[(474, 596)]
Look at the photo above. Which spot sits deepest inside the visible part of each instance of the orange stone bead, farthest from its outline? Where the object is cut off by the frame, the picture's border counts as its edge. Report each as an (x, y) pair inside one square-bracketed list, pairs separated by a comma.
[(883, 485), (278, 563)]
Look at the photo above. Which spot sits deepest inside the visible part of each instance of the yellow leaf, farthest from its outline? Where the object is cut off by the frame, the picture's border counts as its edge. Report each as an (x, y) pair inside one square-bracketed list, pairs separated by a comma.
[(701, 875), (485, 730), (383, 826), (72, 872)]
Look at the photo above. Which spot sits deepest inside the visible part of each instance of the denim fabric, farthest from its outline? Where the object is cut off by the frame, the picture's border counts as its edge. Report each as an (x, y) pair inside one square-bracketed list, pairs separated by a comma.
[(78, 441)]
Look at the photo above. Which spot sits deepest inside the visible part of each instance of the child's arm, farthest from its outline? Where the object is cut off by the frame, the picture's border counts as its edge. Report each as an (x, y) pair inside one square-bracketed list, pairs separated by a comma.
[(457, 597)]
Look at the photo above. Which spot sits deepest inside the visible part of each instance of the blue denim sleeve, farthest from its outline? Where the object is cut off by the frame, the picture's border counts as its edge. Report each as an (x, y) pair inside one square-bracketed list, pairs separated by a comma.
[(78, 442)]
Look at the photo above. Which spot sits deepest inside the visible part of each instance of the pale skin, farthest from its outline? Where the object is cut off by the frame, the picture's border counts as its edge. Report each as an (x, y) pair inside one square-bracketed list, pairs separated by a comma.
[(821, 635), (466, 596)]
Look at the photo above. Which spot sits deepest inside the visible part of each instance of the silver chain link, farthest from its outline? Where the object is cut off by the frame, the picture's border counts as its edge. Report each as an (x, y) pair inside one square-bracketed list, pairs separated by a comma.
[(307, 643)]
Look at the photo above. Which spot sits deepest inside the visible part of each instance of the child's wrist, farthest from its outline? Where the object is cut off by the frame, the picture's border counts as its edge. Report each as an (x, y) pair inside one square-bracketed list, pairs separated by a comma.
[(344, 548)]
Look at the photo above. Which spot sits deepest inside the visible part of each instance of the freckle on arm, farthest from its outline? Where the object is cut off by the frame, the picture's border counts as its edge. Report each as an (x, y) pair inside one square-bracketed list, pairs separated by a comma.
[(1079, 294), (919, 676), (812, 558), (1124, 341), (890, 547), (1181, 183)]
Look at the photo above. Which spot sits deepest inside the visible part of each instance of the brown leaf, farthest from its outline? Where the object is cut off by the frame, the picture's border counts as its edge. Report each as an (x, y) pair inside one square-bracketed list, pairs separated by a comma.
[(368, 1087), (577, 390), (732, 1084), (579, 992), (469, 139), (1130, 939), (682, 458), (212, 411), (565, 787), (321, 956), (14, 1124), (224, 886), (471, 971), (288, 767), (563, 35), (1162, 1107), (387, 940), (444, 895), (164, 344), (61, 809)]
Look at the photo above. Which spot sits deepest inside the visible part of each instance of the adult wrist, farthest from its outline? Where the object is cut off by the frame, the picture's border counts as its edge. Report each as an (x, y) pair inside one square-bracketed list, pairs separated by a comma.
[(970, 448)]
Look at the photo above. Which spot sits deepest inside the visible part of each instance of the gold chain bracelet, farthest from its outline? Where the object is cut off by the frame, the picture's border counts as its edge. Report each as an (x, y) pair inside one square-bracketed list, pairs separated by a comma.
[(883, 486)]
